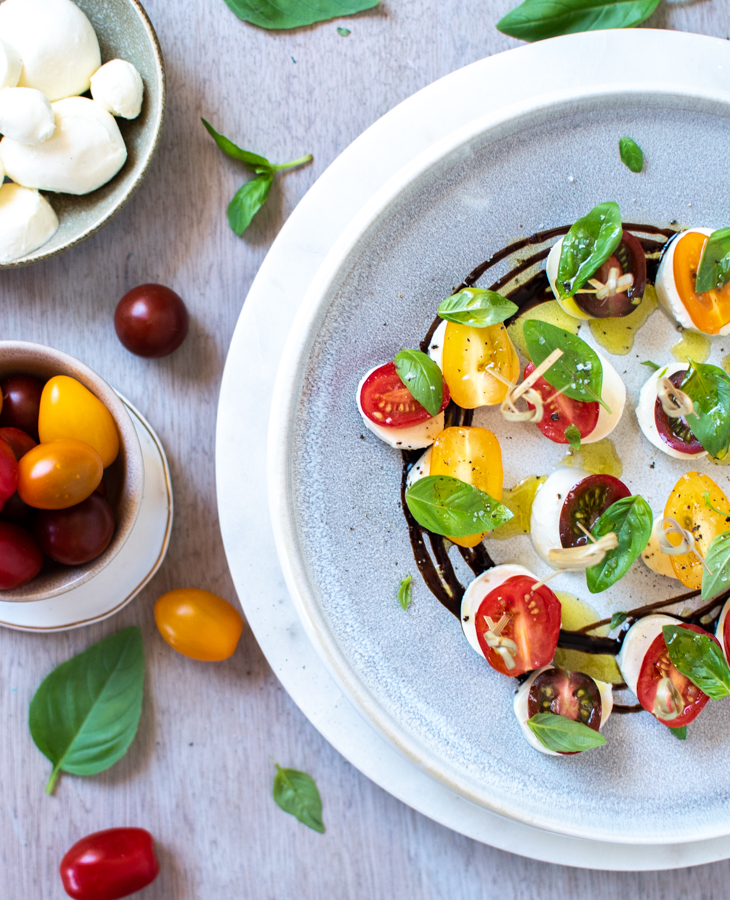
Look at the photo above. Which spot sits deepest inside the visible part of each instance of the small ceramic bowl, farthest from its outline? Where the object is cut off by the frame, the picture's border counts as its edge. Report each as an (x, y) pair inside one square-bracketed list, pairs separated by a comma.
[(124, 477), (124, 32)]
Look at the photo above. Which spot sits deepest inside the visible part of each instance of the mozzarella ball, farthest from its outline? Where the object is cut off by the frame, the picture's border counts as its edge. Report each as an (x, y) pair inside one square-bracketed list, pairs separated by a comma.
[(11, 65), (719, 631), (476, 592), (613, 394), (85, 151), (638, 639), (547, 506), (436, 347), (414, 437), (652, 555), (645, 412), (27, 221), (118, 87), (551, 269), (419, 469), (26, 115)]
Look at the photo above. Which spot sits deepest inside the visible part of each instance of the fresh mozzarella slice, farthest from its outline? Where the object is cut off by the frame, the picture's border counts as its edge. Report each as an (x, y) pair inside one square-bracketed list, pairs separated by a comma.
[(118, 86), (613, 394), (414, 437), (476, 592), (645, 412), (638, 639), (419, 469), (652, 555), (26, 115), (719, 631), (11, 65), (551, 267), (436, 347), (27, 221), (547, 506)]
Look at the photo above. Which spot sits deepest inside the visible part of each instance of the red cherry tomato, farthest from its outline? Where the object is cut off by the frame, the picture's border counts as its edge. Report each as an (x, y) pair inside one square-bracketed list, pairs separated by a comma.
[(675, 432), (533, 624), (19, 441), (151, 320), (21, 403), (78, 534), (18, 512), (585, 504), (8, 471), (20, 558), (111, 864), (560, 411), (385, 400)]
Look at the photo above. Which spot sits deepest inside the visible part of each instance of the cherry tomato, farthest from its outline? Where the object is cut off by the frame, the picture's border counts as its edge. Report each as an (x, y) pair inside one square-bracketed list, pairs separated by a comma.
[(151, 320), (198, 624), (8, 471), (70, 410), (21, 402), (386, 401), (76, 535), (533, 625), (585, 504), (469, 355), (20, 558), (709, 311), (17, 512), (657, 680), (59, 474), (560, 411), (570, 694), (675, 432), (111, 864), (20, 442), (629, 257)]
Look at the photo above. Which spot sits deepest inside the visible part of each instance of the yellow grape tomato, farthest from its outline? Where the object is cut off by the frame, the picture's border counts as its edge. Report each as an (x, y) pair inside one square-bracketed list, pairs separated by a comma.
[(70, 410), (198, 624), (470, 356), (59, 474)]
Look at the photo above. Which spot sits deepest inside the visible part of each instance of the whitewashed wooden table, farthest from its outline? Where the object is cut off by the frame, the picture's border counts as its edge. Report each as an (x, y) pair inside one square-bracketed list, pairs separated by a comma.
[(199, 773)]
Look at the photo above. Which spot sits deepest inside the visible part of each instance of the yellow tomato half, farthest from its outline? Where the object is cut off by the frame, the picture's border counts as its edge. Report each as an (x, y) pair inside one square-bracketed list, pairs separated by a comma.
[(709, 311), (472, 455), (69, 410), (198, 624), (469, 354)]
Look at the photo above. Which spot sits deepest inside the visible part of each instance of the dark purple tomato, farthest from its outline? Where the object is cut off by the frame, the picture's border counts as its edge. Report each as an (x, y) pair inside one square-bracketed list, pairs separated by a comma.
[(628, 258), (20, 442), (20, 558), (21, 403), (8, 471), (77, 534), (19, 513), (675, 431), (585, 504), (151, 320), (570, 694)]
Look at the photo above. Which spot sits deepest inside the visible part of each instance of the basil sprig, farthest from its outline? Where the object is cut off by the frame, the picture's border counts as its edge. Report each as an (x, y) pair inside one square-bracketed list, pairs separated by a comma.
[(297, 794), (587, 246), (714, 268), (700, 659), (404, 592), (453, 508), (578, 373), (718, 561), (563, 735), (477, 308), (709, 389), (631, 520), (278, 14), (249, 198), (85, 714), (631, 154), (423, 378), (535, 20)]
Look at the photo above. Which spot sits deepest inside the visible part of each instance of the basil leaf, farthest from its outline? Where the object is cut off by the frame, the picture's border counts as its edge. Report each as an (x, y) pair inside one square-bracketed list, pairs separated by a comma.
[(297, 794), (718, 560), (344, 32), (680, 733), (447, 506), (562, 734), (277, 14), (578, 373), (631, 519), (85, 714), (617, 619), (404, 592), (587, 246), (535, 20), (423, 378), (257, 164), (247, 201), (714, 268), (573, 436), (709, 389), (477, 308), (651, 365), (699, 658), (631, 155)]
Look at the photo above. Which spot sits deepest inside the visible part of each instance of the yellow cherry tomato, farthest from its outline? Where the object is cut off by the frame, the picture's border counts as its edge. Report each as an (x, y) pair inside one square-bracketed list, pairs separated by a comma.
[(469, 355), (710, 310), (69, 410), (59, 474), (472, 455), (198, 624), (687, 505)]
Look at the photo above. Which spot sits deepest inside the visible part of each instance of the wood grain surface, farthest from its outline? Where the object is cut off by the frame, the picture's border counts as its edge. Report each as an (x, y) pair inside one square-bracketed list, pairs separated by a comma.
[(200, 771)]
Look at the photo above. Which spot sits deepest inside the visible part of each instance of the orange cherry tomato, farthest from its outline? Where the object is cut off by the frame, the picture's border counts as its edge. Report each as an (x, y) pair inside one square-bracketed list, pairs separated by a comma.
[(59, 474), (469, 356), (69, 410), (710, 310), (198, 624)]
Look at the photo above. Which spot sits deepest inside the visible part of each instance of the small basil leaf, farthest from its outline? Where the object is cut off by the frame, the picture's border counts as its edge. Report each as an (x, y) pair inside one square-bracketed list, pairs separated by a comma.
[(404, 592), (423, 378), (631, 519), (714, 269), (450, 507), (718, 561), (680, 733), (578, 373), (617, 619), (277, 14), (562, 734), (587, 246), (651, 365), (573, 436), (535, 20), (297, 794), (85, 714), (477, 308), (247, 201), (253, 160), (631, 155), (344, 32), (709, 389), (699, 658)]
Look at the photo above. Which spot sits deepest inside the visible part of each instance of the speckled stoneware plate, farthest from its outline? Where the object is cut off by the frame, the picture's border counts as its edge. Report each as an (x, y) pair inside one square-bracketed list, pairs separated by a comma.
[(124, 32), (334, 488)]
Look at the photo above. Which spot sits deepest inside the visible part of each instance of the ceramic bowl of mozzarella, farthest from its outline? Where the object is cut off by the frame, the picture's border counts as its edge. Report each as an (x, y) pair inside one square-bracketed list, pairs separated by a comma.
[(82, 100)]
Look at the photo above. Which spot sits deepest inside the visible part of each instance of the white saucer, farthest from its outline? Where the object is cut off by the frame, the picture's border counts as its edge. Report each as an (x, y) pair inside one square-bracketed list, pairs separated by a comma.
[(129, 571)]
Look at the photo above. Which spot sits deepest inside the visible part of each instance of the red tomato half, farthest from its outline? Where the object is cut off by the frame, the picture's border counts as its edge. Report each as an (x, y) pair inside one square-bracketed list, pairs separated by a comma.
[(560, 411), (385, 400), (111, 864), (533, 626)]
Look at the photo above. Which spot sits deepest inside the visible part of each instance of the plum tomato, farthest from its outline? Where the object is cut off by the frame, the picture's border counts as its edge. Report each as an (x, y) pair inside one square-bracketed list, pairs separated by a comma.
[(570, 694), (198, 624), (76, 535), (59, 474), (469, 355), (70, 410), (585, 504), (560, 411), (8, 472), (20, 442), (675, 431), (530, 636), (629, 257), (664, 691), (20, 558), (21, 402), (109, 865), (151, 320), (386, 401)]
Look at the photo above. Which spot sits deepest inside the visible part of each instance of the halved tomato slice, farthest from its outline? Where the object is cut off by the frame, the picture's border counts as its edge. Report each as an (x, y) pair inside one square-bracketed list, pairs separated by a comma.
[(570, 694), (560, 411), (676, 433), (628, 258), (470, 356), (385, 400), (585, 504), (709, 311)]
